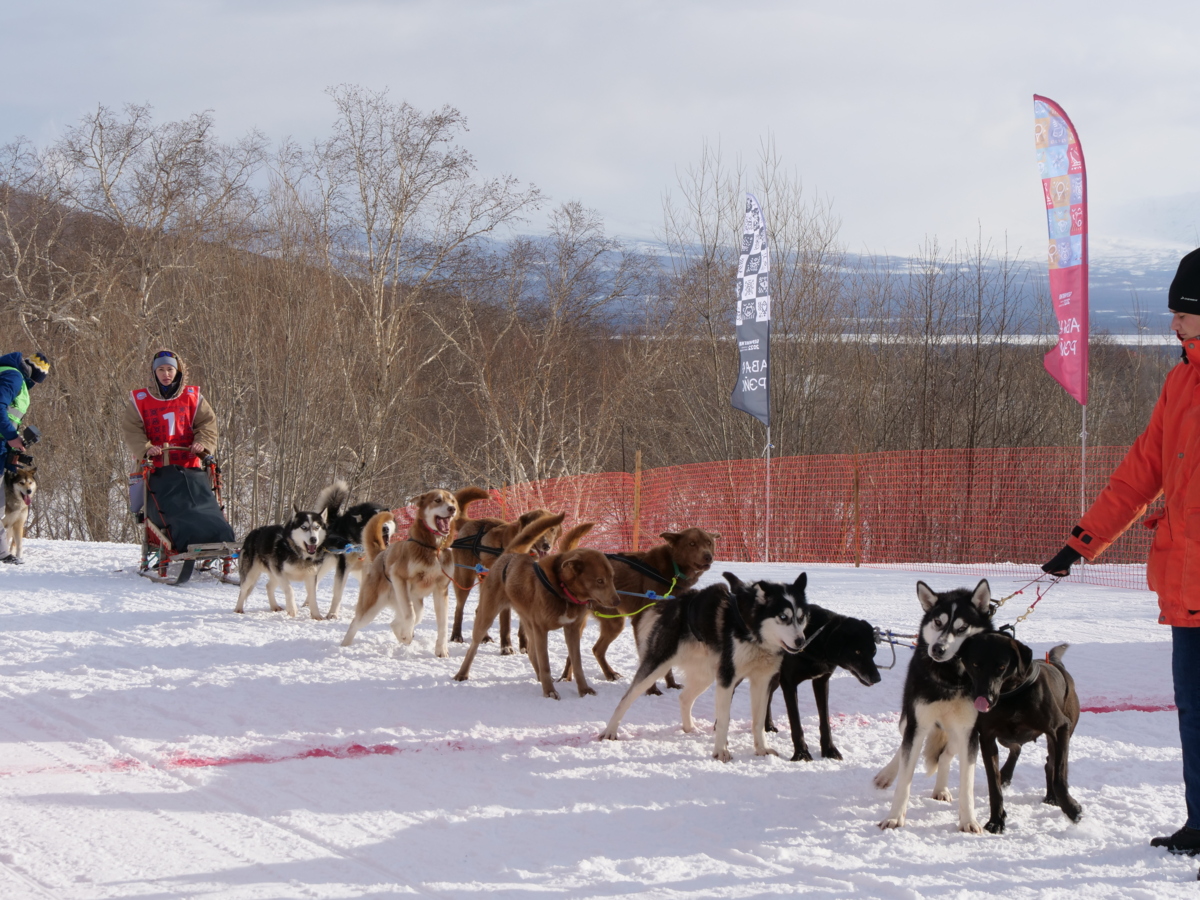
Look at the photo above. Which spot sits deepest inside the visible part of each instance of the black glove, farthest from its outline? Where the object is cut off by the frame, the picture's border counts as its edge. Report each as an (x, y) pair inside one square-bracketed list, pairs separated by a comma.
[(1062, 562)]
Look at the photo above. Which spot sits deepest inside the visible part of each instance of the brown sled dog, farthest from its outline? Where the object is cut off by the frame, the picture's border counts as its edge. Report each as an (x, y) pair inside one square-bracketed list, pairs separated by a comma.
[(669, 568), (404, 574), (480, 542), (549, 593)]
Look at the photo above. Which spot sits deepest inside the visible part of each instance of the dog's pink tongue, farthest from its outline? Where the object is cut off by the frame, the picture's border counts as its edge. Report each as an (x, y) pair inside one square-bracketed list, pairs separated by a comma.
[(28, 500), (981, 704)]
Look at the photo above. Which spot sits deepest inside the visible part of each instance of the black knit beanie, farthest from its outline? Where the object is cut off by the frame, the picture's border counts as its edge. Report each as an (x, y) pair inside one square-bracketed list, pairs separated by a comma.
[(1184, 294)]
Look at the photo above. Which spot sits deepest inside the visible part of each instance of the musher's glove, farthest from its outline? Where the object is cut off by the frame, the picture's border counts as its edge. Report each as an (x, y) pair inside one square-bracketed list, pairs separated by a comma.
[(1061, 564)]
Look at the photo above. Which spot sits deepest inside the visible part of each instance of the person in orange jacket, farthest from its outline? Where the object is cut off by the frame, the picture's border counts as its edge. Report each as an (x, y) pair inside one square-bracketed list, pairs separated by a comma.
[(1162, 461)]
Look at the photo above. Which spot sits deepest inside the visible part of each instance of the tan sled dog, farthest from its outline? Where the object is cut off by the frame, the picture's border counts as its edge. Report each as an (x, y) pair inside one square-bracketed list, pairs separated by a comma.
[(408, 571), (479, 542), (19, 488), (549, 593), (669, 568)]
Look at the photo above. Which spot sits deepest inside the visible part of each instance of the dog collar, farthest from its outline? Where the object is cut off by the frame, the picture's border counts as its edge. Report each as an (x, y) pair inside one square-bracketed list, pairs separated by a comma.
[(413, 540), (564, 595), (1034, 671)]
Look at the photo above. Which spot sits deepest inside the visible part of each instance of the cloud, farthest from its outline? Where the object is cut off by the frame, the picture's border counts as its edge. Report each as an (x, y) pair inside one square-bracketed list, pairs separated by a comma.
[(914, 118)]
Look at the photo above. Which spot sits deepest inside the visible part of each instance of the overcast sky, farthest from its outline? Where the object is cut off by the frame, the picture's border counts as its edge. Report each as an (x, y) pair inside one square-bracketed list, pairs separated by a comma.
[(913, 118)]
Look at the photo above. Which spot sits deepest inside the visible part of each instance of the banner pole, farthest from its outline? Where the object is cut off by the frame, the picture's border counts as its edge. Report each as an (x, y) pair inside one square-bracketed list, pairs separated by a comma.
[(1083, 463), (767, 527)]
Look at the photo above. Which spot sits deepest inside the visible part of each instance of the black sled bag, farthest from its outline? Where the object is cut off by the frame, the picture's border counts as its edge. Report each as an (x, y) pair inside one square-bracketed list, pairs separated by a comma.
[(182, 505)]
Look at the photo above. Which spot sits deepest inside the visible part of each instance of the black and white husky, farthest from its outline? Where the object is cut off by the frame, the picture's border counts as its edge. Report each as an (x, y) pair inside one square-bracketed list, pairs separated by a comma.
[(939, 694), (344, 537), (724, 635), (285, 553)]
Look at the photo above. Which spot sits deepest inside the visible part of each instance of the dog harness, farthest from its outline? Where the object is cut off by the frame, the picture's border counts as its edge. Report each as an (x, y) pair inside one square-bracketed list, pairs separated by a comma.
[(638, 566), (565, 595), (474, 544), (1035, 671)]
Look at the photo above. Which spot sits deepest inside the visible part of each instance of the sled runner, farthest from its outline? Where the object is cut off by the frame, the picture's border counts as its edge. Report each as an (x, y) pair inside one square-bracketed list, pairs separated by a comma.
[(183, 518)]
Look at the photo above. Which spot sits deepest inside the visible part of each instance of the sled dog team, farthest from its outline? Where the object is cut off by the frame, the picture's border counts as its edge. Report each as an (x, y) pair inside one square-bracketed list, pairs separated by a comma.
[(968, 687)]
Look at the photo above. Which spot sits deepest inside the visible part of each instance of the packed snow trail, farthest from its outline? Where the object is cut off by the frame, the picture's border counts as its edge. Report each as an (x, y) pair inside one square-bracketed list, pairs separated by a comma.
[(154, 744)]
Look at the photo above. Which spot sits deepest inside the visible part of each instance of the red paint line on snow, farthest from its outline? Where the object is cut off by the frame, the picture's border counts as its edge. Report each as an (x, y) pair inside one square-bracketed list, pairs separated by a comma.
[(1129, 707)]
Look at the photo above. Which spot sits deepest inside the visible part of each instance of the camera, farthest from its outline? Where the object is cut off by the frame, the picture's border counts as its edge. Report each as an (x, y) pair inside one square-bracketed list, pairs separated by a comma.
[(30, 436)]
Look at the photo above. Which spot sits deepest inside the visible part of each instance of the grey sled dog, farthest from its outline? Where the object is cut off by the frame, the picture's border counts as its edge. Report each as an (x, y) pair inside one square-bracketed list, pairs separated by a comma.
[(723, 635), (286, 553), (939, 694)]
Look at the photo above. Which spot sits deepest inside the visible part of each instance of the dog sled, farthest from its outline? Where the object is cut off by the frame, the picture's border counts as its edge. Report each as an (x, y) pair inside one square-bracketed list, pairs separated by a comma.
[(183, 519)]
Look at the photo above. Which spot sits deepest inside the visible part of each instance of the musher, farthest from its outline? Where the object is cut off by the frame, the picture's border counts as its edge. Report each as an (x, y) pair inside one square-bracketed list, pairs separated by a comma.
[(18, 374), (168, 411), (1163, 460)]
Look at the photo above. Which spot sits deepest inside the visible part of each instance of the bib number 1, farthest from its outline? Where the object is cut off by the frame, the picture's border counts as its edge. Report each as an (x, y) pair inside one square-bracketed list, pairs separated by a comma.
[(170, 417)]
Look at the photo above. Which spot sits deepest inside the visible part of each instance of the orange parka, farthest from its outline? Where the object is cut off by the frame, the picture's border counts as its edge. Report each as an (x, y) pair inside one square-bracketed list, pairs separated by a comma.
[(1161, 461)]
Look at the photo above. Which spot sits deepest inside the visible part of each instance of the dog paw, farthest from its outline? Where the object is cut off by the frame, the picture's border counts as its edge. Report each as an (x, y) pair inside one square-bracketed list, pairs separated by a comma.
[(942, 795), (609, 734), (653, 689), (883, 781), (770, 726), (895, 822), (552, 694), (994, 826), (723, 755), (487, 639), (766, 751), (612, 676), (802, 755), (506, 651), (830, 752), (1074, 811), (457, 639), (970, 827), (443, 653), (584, 691), (460, 676)]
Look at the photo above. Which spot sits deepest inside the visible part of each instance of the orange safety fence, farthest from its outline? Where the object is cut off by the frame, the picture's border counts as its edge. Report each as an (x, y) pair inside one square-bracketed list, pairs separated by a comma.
[(991, 511)]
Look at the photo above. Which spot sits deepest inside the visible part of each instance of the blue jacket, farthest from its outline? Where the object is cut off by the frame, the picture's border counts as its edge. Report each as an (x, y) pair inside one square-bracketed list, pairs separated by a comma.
[(10, 386)]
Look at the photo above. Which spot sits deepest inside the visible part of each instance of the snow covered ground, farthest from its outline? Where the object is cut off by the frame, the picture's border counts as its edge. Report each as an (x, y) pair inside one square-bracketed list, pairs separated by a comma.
[(154, 744)]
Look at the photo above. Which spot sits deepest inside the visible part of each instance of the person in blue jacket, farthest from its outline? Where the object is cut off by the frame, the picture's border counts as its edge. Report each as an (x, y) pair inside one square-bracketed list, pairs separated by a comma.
[(18, 374)]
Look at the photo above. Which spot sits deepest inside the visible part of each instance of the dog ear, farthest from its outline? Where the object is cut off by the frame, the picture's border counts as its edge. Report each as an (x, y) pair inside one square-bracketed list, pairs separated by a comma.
[(982, 598), (801, 582), (926, 595), (1024, 654), (295, 508), (669, 536), (734, 581), (713, 536)]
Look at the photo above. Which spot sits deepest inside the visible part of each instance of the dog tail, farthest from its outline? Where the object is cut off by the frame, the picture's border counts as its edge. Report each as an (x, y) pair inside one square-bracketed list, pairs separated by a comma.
[(377, 533), (330, 500), (1054, 657), (531, 532), (571, 539), (465, 498)]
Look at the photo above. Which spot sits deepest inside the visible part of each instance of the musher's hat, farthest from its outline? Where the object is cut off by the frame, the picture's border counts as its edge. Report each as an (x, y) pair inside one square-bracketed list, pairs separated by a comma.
[(39, 367), (1184, 294)]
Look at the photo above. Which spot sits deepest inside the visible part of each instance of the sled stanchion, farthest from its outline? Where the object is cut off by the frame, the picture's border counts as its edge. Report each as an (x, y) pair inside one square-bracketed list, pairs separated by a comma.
[(894, 640)]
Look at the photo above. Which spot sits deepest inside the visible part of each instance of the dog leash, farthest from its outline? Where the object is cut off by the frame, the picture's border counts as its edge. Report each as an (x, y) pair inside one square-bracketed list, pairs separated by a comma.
[(1042, 589)]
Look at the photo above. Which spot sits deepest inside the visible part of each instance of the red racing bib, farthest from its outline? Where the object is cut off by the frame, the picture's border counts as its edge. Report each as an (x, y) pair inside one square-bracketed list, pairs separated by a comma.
[(169, 421)]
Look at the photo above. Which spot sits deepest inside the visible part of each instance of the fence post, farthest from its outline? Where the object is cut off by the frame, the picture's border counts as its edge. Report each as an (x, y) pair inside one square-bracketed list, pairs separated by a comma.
[(504, 501), (857, 518), (637, 496)]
